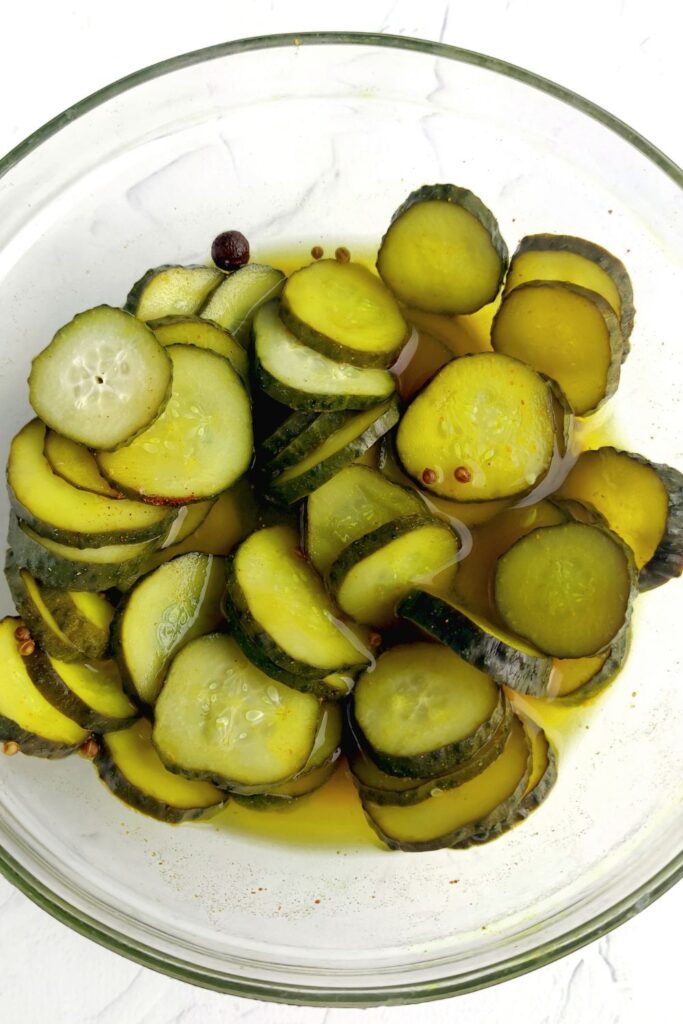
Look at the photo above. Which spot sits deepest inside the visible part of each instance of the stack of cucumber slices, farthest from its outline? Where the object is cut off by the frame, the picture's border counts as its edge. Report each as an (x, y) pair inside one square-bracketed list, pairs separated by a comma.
[(263, 521)]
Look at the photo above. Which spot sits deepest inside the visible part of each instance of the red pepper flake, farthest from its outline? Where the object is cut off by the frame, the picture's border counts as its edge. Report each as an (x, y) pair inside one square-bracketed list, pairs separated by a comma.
[(22, 633), (342, 254), (462, 475), (316, 901), (27, 648), (428, 476), (375, 639), (317, 252), (10, 748)]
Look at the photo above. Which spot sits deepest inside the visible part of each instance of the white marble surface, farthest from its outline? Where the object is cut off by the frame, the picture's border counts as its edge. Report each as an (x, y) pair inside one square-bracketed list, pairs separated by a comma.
[(624, 54)]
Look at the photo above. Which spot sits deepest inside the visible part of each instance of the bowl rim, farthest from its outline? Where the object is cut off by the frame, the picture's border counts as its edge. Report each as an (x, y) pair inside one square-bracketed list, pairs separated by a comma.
[(331, 995)]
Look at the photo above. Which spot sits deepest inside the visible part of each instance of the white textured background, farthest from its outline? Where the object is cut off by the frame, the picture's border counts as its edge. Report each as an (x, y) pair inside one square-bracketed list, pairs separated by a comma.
[(625, 55)]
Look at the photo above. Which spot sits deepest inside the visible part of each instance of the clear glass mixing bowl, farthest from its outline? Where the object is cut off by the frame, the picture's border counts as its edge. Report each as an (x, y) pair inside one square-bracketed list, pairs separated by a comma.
[(296, 140)]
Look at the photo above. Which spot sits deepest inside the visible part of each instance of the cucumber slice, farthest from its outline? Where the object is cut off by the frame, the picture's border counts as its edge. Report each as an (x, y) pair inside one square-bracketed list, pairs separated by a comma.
[(193, 330), (422, 710), (219, 718), (482, 429), (130, 766), (102, 379), (332, 687), (188, 519), (172, 291), (566, 332), (58, 511), (473, 584), (380, 787), (303, 378), (566, 589), (643, 503), (454, 512), (481, 808), (29, 600), (85, 618), (344, 312), (543, 768), (164, 611), (577, 680), (26, 717), (443, 252), (66, 568), (89, 693), (286, 433), (356, 501), (319, 768), (566, 258), (232, 517), (310, 438), (235, 302), (542, 778), (283, 608), (76, 464), (506, 658), (288, 793), (202, 442), (358, 433), (374, 573)]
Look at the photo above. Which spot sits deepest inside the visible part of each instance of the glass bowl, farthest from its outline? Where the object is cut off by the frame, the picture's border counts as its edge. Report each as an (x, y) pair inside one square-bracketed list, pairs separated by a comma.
[(309, 139)]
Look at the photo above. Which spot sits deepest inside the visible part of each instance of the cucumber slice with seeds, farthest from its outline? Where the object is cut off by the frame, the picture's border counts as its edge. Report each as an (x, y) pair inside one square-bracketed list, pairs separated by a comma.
[(220, 718), (129, 765), (503, 656), (354, 502), (344, 312), (29, 600), (422, 710), (193, 330), (443, 252), (235, 302), (26, 717), (58, 511), (102, 379), (90, 693), (566, 589), (171, 606), (172, 291), (643, 503), (67, 568), (321, 764), (202, 442), (85, 618), (358, 433), (482, 429), (567, 258), (482, 807), (566, 332), (374, 573), (454, 512), (282, 606), (381, 787), (304, 379), (77, 465)]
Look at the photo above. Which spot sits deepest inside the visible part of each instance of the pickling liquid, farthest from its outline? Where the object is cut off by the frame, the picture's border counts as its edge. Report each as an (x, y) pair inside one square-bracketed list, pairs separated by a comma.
[(332, 816)]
